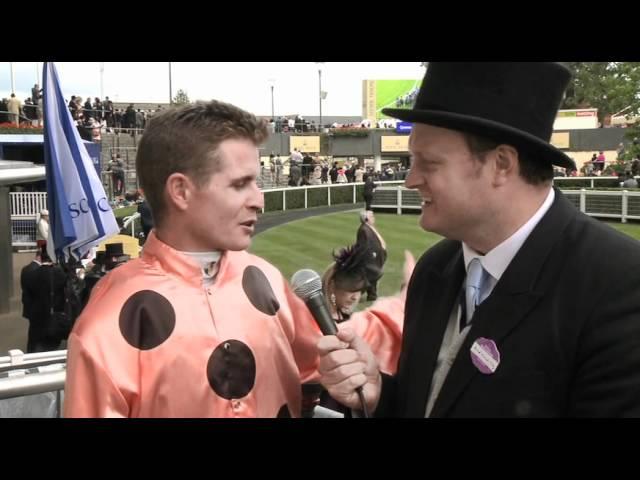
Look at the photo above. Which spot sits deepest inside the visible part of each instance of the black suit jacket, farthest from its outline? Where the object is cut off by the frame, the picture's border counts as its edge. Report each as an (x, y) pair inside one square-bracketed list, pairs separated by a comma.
[(146, 217), (565, 318), (39, 282), (369, 187), (377, 255), (28, 295)]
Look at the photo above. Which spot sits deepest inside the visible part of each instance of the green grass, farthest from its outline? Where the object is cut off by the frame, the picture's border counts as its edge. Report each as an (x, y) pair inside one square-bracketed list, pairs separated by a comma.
[(125, 211), (387, 91), (308, 243), (631, 229)]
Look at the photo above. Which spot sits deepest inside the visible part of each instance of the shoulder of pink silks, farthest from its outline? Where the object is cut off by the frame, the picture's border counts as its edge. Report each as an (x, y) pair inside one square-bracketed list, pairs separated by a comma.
[(155, 342), (380, 326)]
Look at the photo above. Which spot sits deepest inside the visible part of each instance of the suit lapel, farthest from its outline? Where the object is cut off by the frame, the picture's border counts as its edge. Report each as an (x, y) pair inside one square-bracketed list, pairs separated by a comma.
[(439, 291), (529, 275)]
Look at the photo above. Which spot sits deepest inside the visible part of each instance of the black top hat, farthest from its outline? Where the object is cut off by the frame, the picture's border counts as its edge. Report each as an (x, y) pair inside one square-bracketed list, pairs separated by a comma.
[(116, 260), (511, 102), (100, 258), (113, 249)]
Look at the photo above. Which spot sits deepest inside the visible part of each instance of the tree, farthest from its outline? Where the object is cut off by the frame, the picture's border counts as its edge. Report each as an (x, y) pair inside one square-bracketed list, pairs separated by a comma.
[(632, 149), (181, 98), (611, 87)]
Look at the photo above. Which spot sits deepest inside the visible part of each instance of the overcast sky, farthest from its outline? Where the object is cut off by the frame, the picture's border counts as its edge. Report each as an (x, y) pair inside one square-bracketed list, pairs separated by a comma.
[(245, 84)]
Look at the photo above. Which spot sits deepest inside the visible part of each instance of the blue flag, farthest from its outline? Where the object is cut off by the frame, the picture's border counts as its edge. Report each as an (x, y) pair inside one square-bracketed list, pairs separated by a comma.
[(80, 216)]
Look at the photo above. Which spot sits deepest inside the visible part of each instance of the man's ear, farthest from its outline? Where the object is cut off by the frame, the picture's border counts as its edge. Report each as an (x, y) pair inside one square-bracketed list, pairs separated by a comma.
[(505, 163), (179, 190)]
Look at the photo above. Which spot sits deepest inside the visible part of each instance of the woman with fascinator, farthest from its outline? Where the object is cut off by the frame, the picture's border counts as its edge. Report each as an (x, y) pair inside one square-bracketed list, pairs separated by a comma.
[(343, 284), (345, 280)]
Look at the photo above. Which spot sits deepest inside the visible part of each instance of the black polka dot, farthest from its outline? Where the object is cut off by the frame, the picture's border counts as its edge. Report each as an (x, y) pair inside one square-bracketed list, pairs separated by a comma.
[(147, 319), (231, 369), (259, 291), (284, 412)]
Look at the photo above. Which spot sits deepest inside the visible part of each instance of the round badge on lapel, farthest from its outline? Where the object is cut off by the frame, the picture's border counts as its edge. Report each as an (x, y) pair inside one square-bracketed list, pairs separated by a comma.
[(485, 355)]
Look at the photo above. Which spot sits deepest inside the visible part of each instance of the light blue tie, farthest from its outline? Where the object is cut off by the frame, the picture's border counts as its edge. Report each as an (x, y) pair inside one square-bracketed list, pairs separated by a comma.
[(476, 276)]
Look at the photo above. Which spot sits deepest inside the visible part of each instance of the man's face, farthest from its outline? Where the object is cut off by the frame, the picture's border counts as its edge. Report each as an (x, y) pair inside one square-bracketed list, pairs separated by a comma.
[(454, 185), (224, 211)]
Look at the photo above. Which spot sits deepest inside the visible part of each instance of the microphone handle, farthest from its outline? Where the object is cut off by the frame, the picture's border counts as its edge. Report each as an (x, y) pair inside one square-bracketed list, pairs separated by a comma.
[(320, 311), (365, 410), (321, 314)]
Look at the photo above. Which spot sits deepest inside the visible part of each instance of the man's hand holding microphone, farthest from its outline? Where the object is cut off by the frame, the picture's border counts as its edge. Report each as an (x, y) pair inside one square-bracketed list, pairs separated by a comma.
[(346, 364)]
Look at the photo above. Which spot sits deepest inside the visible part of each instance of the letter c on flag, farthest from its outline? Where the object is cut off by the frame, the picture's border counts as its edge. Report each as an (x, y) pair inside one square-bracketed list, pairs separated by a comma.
[(101, 207), (80, 204)]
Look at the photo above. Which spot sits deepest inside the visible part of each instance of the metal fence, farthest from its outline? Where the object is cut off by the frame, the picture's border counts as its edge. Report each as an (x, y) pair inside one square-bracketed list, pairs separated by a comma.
[(23, 231), (622, 204), (32, 385), (25, 207)]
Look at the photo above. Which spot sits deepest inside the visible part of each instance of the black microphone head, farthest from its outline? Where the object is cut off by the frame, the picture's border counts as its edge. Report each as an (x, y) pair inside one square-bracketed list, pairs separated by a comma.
[(306, 283)]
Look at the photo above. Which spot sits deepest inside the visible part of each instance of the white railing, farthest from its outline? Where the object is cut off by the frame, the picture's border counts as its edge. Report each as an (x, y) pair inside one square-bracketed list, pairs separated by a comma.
[(17, 358), (32, 384), (130, 221), (593, 181), (25, 207), (619, 204), (27, 204), (353, 196), (30, 203), (23, 231)]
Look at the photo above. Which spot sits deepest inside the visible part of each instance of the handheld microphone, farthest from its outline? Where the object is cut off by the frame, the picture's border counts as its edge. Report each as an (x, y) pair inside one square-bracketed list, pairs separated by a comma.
[(307, 285)]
